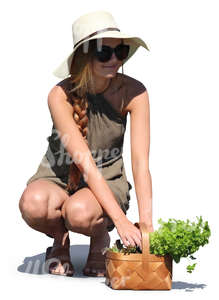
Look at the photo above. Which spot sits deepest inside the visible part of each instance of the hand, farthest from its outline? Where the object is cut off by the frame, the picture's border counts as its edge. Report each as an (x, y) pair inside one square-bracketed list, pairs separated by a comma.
[(128, 232)]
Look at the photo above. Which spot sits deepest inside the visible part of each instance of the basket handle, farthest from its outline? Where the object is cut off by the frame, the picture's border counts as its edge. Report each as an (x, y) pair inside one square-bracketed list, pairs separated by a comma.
[(145, 239)]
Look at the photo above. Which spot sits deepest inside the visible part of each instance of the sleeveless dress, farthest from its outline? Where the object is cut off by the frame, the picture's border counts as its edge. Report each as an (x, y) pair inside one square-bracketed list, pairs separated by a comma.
[(106, 129)]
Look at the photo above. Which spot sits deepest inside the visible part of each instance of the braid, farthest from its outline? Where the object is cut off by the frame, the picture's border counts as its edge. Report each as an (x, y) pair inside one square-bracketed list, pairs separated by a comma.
[(81, 81), (80, 106)]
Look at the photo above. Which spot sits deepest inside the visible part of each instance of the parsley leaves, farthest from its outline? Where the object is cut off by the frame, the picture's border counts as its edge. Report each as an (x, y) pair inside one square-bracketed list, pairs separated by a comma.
[(174, 237)]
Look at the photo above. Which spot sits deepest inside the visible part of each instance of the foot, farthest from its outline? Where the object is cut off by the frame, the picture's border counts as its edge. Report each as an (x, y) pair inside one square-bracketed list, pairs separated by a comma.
[(59, 260), (95, 265)]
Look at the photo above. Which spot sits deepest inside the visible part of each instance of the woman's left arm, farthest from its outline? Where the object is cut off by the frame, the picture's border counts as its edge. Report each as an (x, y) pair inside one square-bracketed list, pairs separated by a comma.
[(140, 145)]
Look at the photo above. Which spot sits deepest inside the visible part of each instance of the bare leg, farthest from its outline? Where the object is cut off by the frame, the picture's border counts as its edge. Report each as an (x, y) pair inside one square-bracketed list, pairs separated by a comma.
[(40, 206), (98, 241), (83, 214), (47, 208)]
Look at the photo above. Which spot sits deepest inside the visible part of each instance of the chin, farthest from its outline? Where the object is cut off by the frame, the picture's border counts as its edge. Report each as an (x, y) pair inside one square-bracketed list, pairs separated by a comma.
[(109, 74)]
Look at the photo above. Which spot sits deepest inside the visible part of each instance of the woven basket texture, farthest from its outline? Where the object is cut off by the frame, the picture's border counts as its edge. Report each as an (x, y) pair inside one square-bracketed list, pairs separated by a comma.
[(139, 271)]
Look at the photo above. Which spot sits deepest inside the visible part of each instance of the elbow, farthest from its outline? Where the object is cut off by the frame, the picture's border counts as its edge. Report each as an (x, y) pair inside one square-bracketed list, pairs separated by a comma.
[(140, 167)]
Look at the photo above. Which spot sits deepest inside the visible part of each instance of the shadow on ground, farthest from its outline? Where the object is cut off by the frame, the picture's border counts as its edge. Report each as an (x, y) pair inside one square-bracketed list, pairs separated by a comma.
[(36, 265)]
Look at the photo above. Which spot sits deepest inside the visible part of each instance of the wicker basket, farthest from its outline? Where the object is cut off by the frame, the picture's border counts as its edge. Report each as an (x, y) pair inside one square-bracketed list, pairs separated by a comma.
[(139, 271)]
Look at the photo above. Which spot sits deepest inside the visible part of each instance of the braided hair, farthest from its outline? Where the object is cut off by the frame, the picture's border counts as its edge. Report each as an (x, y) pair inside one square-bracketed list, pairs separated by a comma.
[(81, 80)]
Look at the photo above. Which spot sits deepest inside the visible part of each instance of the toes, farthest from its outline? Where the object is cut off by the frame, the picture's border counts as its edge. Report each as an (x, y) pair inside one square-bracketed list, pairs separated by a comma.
[(62, 269), (57, 270), (95, 272), (101, 272)]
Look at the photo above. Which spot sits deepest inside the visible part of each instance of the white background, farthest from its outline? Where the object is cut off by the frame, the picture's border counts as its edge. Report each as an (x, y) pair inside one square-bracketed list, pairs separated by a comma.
[(181, 75)]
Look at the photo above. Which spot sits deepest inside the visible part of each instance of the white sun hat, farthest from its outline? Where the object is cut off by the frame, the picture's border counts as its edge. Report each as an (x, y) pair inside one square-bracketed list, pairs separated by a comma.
[(96, 25)]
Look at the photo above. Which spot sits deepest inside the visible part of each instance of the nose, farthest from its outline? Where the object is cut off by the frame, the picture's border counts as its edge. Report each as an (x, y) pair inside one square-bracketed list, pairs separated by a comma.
[(113, 58)]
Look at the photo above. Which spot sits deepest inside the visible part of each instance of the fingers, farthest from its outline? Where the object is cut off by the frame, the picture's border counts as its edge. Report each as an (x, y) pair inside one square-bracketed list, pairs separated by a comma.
[(137, 238), (133, 241), (129, 242), (130, 236), (138, 242), (138, 233)]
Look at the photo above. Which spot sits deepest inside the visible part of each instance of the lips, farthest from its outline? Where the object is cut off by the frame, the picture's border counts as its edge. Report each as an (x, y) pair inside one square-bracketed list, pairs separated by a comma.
[(113, 66)]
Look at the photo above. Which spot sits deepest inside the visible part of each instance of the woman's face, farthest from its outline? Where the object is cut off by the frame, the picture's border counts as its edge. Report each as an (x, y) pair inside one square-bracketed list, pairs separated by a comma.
[(107, 69)]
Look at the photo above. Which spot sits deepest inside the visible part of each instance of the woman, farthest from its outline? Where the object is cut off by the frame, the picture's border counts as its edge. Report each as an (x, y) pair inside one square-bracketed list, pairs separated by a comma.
[(74, 189)]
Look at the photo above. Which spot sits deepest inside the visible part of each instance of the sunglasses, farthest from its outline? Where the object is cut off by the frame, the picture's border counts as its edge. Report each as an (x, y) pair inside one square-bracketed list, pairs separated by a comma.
[(121, 51)]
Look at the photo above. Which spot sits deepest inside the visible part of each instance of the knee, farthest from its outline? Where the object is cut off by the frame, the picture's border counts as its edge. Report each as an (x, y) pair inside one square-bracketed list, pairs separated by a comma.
[(33, 204), (76, 215)]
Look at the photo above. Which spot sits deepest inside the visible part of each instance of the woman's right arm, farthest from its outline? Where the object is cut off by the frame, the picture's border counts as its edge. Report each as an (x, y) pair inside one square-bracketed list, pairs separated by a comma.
[(62, 115)]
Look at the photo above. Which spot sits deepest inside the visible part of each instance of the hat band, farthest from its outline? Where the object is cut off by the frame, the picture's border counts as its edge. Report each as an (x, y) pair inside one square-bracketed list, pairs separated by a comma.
[(97, 32)]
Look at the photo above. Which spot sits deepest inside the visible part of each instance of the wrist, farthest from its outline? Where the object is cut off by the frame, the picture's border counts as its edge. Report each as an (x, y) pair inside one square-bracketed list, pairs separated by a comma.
[(120, 219), (146, 219)]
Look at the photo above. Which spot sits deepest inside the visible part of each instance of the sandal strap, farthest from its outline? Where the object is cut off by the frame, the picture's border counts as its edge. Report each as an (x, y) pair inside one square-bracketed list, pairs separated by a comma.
[(62, 257)]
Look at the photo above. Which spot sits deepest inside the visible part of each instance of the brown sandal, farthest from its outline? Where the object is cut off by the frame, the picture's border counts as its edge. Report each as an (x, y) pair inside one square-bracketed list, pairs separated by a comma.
[(95, 260), (63, 259)]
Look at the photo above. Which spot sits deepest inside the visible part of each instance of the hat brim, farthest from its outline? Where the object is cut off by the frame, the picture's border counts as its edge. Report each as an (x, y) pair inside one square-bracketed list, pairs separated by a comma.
[(63, 69)]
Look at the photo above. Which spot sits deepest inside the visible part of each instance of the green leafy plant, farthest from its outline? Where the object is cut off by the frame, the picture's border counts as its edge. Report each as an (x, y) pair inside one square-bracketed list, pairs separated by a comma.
[(174, 237)]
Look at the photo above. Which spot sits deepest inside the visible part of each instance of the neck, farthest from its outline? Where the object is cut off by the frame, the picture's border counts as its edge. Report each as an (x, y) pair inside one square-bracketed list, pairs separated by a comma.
[(101, 84)]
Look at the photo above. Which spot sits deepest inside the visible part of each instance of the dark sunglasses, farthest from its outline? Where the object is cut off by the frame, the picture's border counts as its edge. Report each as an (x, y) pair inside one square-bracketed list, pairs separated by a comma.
[(121, 52)]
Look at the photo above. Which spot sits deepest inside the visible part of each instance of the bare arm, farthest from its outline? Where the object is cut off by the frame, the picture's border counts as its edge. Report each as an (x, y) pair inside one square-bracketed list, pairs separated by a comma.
[(61, 113), (140, 146)]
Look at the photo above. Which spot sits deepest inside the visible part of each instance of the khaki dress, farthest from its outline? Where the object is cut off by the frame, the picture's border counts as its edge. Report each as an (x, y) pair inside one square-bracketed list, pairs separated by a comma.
[(106, 129)]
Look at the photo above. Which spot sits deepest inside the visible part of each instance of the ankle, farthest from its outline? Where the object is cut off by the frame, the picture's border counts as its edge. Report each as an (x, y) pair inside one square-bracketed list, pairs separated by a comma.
[(61, 239), (99, 230)]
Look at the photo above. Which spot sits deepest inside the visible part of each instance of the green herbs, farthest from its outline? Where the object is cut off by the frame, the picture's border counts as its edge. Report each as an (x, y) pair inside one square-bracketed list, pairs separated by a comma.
[(180, 239), (175, 237), (119, 248)]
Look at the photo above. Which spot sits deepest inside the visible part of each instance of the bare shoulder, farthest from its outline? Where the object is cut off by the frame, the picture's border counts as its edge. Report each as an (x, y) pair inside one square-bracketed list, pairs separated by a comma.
[(58, 93), (135, 89)]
